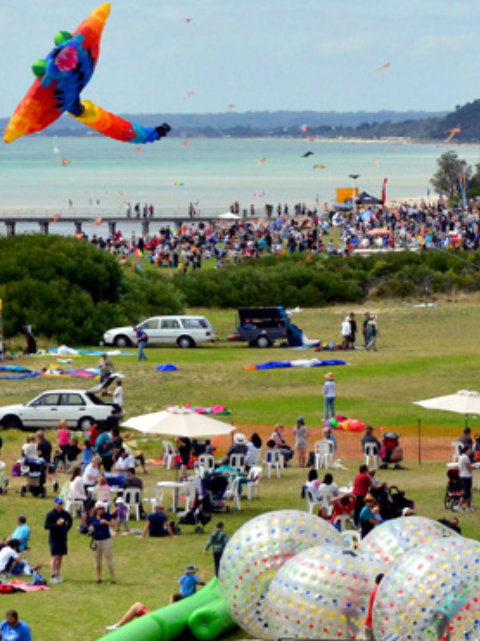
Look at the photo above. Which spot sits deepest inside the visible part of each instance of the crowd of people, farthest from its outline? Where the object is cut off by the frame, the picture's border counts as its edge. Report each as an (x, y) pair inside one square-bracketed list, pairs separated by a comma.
[(300, 229)]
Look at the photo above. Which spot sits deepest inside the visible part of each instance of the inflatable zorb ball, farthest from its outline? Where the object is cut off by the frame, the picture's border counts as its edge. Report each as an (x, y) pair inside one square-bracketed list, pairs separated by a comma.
[(391, 540), (321, 593), (432, 593), (257, 551)]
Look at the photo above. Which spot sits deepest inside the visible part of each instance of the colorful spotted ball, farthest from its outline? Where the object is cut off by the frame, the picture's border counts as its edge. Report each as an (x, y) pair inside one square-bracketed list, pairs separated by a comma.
[(321, 593), (392, 539), (431, 594), (257, 551)]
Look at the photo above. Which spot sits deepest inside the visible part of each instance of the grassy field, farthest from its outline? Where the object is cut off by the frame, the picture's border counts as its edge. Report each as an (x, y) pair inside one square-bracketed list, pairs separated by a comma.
[(423, 352)]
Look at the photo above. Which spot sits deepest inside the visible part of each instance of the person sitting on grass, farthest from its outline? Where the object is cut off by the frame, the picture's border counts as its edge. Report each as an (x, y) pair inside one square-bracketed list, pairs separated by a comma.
[(157, 524), (189, 581), (10, 561), (21, 533)]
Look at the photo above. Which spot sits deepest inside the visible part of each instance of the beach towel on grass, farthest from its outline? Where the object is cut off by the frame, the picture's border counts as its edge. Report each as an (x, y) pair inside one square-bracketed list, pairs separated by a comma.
[(313, 362), (27, 587)]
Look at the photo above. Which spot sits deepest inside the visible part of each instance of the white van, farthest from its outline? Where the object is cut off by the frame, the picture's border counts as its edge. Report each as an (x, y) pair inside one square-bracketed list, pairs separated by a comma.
[(184, 331)]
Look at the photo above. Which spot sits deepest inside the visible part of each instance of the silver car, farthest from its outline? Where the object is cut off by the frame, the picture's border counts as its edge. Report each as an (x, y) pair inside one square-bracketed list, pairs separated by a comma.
[(184, 331)]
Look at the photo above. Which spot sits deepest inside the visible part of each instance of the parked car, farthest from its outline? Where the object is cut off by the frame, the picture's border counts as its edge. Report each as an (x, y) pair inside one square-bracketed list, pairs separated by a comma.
[(80, 408), (184, 331)]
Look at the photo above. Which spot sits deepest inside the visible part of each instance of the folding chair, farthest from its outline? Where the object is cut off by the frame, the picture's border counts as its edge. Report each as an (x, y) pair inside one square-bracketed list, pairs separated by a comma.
[(133, 500), (274, 459), (323, 454)]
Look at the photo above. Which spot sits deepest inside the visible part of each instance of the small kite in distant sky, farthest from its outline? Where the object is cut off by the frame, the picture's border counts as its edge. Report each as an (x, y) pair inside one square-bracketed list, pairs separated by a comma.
[(386, 65), (98, 221), (304, 129), (138, 150), (230, 106), (307, 154), (319, 166), (310, 139), (185, 143), (189, 94), (178, 183), (65, 162), (376, 162), (260, 194), (262, 160), (452, 132), (55, 218), (188, 19)]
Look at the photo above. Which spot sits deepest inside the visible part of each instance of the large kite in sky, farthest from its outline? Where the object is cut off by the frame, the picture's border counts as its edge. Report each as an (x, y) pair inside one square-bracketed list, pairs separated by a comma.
[(61, 76)]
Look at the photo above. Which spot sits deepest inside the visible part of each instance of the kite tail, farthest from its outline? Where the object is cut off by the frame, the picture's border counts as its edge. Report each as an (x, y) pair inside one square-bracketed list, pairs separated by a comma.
[(113, 126)]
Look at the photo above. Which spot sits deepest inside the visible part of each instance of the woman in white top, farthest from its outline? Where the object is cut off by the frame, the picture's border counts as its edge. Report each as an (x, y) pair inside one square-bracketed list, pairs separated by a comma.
[(77, 488), (117, 396), (30, 448), (254, 451), (327, 486)]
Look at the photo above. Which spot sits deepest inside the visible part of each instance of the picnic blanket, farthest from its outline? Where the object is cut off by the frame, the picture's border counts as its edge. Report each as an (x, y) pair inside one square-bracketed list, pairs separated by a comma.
[(169, 367), (312, 362), (27, 587)]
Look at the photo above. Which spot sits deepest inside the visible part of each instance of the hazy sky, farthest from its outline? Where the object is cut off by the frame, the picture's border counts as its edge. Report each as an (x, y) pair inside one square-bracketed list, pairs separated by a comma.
[(258, 54)]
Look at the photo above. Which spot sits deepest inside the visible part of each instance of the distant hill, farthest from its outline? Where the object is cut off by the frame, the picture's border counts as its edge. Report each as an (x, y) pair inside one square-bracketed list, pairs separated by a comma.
[(418, 125), (253, 123)]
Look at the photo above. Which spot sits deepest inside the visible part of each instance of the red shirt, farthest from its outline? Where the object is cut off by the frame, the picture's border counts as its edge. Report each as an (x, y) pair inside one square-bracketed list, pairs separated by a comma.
[(368, 620), (338, 508), (361, 484), (93, 435)]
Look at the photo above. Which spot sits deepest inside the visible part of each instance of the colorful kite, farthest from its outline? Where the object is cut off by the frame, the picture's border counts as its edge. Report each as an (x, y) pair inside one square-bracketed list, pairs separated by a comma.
[(319, 166), (178, 183), (231, 106), (65, 162), (383, 67), (61, 77), (185, 143), (307, 154), (452, 132), (262, 160)]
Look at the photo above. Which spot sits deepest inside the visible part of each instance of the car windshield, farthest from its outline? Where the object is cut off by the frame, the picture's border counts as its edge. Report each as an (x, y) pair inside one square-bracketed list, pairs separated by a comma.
[(194, 323)]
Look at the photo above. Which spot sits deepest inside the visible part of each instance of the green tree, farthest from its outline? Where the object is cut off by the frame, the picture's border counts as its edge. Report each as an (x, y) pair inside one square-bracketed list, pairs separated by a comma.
[(445, 180)]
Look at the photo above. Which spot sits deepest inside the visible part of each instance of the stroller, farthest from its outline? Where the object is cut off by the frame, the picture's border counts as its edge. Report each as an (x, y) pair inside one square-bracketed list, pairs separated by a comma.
[(392, 501), (390, 451), (35, 473), (454, 491), (199, 515), (215, 486)]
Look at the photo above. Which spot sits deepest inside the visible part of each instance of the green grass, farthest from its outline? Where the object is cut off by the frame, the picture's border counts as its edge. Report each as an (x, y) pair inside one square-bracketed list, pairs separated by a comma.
[(422, 353)]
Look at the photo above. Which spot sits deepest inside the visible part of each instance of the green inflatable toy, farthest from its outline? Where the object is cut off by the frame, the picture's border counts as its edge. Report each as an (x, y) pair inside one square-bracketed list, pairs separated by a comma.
[(203, 612)]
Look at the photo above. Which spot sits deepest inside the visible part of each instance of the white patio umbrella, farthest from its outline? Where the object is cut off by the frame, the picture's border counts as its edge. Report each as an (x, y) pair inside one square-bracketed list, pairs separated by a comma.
[(464, 402), (179, 421), (229, 216)]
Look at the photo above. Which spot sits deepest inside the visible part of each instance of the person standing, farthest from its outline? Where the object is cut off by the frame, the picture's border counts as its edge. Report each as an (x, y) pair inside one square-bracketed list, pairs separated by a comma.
[(99, 527), (106, 368), (104, 448), (353, 330), (58, 522), (301, 443), (345, 333), (218, 542), (365, 329), (465, 475), (12, 629), (372, 333), (329, 394), (142, 339), (371, 601), (117, 396)]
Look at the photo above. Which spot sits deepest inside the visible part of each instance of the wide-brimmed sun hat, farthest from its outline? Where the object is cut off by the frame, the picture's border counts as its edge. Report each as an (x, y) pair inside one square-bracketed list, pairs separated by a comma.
[(240, 439), (191, 569)]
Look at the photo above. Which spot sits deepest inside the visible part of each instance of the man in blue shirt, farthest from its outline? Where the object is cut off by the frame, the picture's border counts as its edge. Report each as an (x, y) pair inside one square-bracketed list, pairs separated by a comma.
[(142, 339), (12, 629), (21, 533)]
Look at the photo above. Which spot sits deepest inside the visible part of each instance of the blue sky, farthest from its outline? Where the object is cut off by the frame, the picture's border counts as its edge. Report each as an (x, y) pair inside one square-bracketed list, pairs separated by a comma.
[(258, 54)]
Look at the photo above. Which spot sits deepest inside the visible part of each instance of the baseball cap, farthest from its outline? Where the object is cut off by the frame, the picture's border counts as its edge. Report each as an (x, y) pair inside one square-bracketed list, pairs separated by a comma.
[(58, 499)]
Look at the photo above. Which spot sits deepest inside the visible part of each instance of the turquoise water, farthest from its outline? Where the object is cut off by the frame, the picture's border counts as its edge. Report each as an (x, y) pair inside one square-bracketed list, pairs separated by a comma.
[(212, 173)]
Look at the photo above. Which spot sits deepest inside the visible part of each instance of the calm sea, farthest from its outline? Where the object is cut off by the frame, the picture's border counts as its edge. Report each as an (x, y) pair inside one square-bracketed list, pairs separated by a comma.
[(103, 175)]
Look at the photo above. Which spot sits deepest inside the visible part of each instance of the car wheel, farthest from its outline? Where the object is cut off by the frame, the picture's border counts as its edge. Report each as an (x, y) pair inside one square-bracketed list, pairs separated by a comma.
[(185, 342), (122, 341), (12, 422), (85, 423), (263, 341)]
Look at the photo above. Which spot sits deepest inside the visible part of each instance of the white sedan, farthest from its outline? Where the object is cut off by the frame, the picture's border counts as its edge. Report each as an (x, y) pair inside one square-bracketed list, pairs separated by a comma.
[(80, 408)]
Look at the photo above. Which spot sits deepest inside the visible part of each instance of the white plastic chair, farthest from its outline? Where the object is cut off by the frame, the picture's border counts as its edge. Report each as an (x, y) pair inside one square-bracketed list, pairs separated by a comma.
[(323, 453), (206, 463), (155, 497), (344, 520), (274, 459), (253, 488), (371, 453), (238, 461), (321, 499), (457, 447), (168, 454), (189, 494), (133, 499), (72, 506)]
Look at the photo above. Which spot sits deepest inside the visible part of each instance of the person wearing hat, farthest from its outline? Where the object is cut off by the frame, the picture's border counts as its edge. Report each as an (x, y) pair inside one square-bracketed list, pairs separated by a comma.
[(300, 431), (189, 581), (99, 528), (239, 445), (58, 522), (120, 514), (329, 395)]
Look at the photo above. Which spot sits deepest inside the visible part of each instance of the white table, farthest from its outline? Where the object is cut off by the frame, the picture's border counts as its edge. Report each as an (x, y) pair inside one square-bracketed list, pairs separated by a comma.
[(175, 486)]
